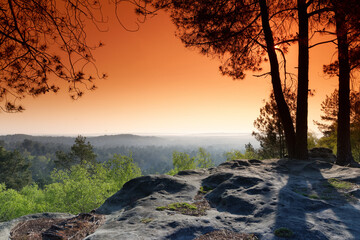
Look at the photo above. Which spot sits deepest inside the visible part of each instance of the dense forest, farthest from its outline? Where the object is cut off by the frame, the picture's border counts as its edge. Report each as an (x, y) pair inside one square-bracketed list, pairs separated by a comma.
[(53, 176), (152, 154)]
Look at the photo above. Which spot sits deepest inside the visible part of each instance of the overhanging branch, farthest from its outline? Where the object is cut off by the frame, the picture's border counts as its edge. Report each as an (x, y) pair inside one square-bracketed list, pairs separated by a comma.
[(320, 43)]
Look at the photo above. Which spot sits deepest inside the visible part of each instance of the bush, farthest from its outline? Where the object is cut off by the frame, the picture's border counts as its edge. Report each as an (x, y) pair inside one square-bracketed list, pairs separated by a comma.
[(15, 204), (250, 153), (233, 155), (182, 161), (283, 232), (80, 189)]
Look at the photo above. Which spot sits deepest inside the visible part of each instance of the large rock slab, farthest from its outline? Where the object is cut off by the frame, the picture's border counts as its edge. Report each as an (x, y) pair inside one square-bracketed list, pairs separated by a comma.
[(248, 196), (314, 199)]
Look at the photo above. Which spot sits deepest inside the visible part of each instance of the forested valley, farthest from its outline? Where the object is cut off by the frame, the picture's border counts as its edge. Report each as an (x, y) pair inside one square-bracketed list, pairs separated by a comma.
[(47, 174)]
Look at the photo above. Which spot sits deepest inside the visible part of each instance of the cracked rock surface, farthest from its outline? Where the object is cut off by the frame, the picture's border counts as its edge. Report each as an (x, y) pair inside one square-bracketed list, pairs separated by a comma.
[(245, 197)]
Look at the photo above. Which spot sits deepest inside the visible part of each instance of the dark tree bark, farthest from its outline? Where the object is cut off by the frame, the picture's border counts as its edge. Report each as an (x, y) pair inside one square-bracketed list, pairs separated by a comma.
[(303, 82), (344, 155), (283, 108)]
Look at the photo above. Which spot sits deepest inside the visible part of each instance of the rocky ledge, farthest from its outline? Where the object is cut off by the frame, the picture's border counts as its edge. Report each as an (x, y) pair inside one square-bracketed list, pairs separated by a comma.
[(241, 199)]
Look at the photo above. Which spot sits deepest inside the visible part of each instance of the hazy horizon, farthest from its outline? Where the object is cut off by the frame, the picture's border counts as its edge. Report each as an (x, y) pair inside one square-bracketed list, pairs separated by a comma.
[(135, 134)]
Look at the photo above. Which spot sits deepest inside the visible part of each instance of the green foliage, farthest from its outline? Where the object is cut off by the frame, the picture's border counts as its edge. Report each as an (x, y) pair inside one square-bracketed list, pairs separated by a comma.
[(355, 139), (63, 160), (336, 183), (270, 132), (180, 207), (14, 169), (283, 232), (41, 168), (12, 203), (152, 159), (84, 188), (121, 169), (15, 204), (328, 141), (205, 189), (328, 125), (313, 196), (162, 208), (81, 153), (185, 208), (77, 190), (146, 220), (182, 161), (80, 189), (204, 159), (312, 140), (233, 155), (250, 153)]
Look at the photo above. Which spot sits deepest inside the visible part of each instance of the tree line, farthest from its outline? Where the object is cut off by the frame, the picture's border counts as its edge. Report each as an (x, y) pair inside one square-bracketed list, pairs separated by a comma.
[(270, 132), (34, 162)]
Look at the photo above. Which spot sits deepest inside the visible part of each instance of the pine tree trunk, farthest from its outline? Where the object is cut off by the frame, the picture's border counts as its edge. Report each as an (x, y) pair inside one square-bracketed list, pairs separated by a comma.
[(283, 108), (344, 155), (301, 151)]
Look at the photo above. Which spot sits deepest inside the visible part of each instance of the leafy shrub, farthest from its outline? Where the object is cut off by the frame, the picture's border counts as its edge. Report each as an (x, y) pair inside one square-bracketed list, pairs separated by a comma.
[(233, 155), (283, 232), (250, 153), (80, 189), (14, 169), (182, 161)]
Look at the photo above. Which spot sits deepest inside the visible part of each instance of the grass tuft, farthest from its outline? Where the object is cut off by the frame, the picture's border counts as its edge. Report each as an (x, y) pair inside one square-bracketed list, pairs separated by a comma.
[(205, 189), (184, 208), (146, 220), (283, 232), (336, 183)]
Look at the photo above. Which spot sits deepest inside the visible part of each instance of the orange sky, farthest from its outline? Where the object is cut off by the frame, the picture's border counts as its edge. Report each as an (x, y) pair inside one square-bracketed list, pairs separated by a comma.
[(157, 86)]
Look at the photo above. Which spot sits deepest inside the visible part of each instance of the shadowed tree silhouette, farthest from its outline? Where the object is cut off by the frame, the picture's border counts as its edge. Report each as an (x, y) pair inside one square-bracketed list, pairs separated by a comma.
[(307, 186), (42, 42), (246, 33), (346, 18), (241, 34), (39, 39)]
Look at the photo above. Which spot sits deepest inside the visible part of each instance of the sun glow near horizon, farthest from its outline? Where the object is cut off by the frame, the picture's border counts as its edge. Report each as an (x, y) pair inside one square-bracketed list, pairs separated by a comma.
[(156, 85)]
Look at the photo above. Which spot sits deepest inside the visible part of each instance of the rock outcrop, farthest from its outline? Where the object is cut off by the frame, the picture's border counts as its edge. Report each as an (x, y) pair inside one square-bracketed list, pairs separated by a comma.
[(312, 199)]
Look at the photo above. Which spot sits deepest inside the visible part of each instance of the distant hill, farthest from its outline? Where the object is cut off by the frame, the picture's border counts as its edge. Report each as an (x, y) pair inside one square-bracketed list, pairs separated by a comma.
[(99, 141), (125, 140), (226, 141), (42, 139)]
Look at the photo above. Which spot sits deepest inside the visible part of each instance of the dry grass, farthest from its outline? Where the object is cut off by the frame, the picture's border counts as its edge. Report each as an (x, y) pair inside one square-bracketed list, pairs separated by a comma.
[(75, 228), (226, 235)]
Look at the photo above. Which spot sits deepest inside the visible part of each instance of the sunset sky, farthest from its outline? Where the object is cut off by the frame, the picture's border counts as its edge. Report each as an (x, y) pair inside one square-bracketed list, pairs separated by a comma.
[(157, 86)]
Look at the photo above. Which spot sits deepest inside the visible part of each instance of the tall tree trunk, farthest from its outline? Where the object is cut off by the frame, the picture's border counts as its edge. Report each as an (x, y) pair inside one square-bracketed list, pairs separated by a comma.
[(283, 108), (344, 155), (301, 151)]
